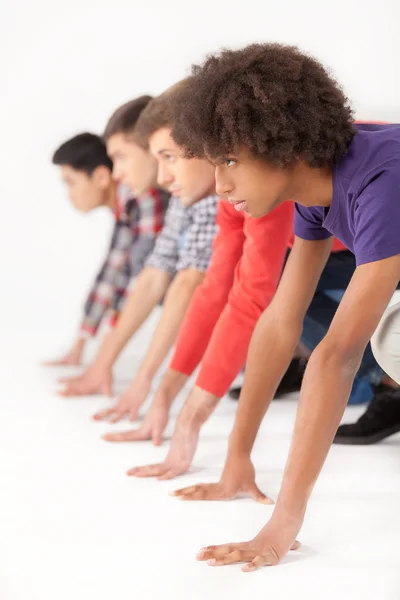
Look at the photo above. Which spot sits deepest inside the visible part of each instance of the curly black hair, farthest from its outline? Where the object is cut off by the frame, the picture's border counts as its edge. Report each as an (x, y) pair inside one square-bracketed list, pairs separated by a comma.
[(271, 98)]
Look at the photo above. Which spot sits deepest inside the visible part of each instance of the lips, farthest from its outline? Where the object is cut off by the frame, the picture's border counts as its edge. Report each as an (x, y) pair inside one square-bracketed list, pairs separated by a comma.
[(240, 206)]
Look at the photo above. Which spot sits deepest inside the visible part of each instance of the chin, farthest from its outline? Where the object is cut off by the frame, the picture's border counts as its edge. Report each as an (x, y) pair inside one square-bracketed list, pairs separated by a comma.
[(135, 190), (186, 201), (82, 209), (260, 211), (255, 213)]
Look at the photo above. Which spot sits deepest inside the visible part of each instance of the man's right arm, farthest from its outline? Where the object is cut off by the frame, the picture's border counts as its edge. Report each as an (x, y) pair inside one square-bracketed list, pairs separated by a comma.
[(266, 364), (150, 288), (282, 323)]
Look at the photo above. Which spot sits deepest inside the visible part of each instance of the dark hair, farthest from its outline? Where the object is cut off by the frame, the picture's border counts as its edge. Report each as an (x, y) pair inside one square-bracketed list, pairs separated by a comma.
[(84, 152), (157, 114), (278, 102), (124, 119)]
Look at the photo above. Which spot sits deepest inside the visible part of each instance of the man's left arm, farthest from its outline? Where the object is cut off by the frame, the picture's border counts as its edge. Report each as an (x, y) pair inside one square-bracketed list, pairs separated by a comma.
[(256, 279)]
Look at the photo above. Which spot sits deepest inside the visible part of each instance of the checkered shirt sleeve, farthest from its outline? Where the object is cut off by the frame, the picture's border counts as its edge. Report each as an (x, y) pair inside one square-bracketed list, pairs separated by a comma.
[(165, 255), (197, 241), (187, 237), (138, 222)]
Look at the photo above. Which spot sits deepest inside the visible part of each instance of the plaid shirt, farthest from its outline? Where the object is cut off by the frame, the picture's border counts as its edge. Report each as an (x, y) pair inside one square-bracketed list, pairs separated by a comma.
[(187, 237), (137, 224)]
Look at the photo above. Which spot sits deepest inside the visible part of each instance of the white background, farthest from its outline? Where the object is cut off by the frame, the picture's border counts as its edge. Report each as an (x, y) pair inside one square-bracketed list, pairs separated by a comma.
[(65, 66), (71, 524)]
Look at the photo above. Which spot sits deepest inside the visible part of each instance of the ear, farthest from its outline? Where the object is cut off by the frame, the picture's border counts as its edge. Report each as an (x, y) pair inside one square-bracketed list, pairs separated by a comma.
[(101, 176)]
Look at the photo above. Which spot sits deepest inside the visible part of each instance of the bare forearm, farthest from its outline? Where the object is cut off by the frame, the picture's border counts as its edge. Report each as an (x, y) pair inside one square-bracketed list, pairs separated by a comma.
[(150, 288), (172, 384), (176, 303), (270, 353), (196, 410), (80, 343), (325, 392)]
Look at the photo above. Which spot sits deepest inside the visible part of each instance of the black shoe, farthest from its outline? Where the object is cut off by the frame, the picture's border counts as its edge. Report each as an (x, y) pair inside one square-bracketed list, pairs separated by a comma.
[(234, 393), (293, 378), (380, 420), (291, 381)]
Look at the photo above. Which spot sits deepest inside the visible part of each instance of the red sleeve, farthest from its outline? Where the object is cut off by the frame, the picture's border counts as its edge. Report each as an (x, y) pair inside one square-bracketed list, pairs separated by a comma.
[(256, 279), (212, 295)]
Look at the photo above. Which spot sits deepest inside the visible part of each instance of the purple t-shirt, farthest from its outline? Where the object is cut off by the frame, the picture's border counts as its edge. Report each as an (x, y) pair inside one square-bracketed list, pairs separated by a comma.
[(365, 210)]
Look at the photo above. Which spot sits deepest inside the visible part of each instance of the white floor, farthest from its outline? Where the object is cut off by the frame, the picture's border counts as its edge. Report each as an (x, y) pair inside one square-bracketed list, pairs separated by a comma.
[(72, 525)]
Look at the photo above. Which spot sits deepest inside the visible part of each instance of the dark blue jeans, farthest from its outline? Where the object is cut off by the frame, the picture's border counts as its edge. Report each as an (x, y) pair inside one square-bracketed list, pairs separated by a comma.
[(334, 280)]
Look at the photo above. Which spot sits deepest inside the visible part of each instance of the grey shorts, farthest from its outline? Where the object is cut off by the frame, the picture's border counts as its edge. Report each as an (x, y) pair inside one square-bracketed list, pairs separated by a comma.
[(385, 342)]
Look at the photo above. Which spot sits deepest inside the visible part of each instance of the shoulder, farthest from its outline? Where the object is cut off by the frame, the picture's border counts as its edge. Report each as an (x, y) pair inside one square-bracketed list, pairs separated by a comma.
[(205, 208)]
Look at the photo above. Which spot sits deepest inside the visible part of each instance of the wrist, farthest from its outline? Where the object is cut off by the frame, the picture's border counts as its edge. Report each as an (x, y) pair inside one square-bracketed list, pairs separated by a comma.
[(172, 383), (142, 375), (198, 407), (290, 511), (238, 445), (81, 340), (107, 354), (287, 520), (102, 362)]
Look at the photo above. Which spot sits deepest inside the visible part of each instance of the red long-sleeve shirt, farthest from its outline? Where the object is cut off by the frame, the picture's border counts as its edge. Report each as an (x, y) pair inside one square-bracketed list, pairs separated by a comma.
[(243, 275)]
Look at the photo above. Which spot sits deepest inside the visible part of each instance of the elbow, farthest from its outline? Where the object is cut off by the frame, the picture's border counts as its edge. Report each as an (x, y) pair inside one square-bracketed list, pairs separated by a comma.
[(341, 356), (283, 327), (154, 283), (188, 279)]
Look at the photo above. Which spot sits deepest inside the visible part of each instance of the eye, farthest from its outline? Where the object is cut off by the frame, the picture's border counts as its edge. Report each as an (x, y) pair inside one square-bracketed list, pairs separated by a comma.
[(229, 162), (170, 158)]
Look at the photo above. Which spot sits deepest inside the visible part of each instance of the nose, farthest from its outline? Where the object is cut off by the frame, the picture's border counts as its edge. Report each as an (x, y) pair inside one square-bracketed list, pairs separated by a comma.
[(223, 186), (116, 173), (164, 177)]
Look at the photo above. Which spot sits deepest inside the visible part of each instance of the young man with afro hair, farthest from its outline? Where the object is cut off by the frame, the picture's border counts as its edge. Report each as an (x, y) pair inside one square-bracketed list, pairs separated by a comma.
[(278, 127), (245, 269)]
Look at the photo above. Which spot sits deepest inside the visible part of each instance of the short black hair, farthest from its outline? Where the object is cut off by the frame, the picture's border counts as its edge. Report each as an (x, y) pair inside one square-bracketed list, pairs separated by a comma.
[(84, 152), (275, 100), (124, 119)]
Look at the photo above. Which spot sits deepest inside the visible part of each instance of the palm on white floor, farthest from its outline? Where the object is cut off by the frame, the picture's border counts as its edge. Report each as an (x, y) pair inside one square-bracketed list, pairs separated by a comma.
[(95, 380), (129, 402), (152, 428), (72, 358)]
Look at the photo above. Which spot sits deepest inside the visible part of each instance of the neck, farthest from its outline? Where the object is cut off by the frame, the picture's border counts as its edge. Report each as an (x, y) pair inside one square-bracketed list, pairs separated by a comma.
[(211, 191), (111, 196), (312, 186)]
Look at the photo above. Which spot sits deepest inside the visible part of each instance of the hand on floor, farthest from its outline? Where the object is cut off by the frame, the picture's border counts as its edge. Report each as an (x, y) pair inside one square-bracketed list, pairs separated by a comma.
[(268, 548), (152, 428), (129, 403), (257, 553), (94, 380), (73, 358), (238, 479), (179, 458)]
